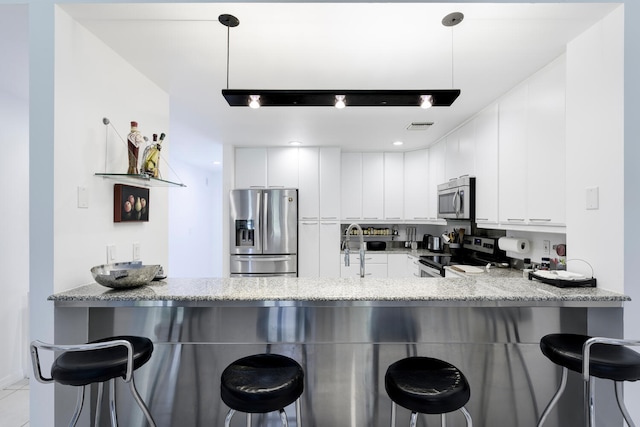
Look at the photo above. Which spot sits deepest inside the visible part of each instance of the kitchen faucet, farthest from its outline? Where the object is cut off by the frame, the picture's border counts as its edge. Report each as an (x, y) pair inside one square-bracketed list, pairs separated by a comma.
[(346, 250)]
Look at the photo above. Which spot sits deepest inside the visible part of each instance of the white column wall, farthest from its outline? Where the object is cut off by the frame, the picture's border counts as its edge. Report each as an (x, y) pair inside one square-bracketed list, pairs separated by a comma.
[(92, 82), (14, 192), (595, 150)]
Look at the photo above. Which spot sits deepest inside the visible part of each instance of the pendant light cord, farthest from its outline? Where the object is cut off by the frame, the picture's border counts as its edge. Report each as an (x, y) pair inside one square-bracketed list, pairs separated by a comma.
[(452, 73), (228, 32)]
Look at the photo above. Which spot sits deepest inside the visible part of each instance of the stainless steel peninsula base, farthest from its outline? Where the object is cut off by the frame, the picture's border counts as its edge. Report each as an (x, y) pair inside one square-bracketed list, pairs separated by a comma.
[(345, 346)]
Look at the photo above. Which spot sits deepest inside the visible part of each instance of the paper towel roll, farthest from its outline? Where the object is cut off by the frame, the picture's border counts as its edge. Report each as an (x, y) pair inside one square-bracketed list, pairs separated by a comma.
[(512, 244)]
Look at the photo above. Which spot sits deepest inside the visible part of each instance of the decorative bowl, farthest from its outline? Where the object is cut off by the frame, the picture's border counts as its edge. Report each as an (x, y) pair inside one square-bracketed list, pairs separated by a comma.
[(124, 275)]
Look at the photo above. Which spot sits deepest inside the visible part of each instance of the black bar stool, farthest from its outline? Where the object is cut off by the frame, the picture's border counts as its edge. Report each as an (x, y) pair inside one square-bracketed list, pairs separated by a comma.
[(600, 357), (262, 383), (97, 362), (426, 385)]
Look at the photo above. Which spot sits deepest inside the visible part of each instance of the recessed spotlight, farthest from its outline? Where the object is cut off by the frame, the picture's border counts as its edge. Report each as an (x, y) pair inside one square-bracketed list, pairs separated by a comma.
[(254, 101), (340, 101), (217, 162), (398, 143), (295, 143)]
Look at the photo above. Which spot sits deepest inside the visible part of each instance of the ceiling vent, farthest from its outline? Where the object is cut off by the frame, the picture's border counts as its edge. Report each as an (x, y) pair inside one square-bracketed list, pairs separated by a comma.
[(419, 125)]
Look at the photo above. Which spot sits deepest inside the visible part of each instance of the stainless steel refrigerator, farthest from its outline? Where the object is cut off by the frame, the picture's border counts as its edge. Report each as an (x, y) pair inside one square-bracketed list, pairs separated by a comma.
[(264, 232)]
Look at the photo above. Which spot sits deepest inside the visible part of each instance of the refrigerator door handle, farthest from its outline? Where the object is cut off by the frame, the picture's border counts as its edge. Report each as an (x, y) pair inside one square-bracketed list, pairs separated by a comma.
[(262, 258), (265, 222)]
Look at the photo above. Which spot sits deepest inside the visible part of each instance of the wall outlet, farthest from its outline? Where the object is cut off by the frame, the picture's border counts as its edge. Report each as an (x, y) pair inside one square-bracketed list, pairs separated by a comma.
[(136, 251), (546, 246), (111, 254), (83, 197)]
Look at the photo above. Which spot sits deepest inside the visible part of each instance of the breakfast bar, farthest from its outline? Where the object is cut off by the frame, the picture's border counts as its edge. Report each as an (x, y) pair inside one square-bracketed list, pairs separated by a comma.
[(345, 333)]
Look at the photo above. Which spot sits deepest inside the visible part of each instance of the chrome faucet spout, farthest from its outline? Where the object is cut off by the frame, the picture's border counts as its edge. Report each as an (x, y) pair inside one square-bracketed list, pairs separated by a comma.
[(347, 249)]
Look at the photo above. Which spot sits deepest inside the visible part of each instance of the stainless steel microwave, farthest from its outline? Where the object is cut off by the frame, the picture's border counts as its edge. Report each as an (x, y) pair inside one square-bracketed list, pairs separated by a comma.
[(457, 199)]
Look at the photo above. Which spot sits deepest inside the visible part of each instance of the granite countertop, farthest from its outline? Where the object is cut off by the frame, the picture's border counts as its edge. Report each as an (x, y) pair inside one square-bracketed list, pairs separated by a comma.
[(496, 288)]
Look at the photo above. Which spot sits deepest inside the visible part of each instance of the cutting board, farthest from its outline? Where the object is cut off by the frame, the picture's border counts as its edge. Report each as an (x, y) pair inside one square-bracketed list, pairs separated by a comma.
[(467, 268)]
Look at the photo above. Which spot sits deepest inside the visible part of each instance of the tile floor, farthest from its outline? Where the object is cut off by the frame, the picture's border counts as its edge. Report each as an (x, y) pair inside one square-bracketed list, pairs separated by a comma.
[(14, 405)]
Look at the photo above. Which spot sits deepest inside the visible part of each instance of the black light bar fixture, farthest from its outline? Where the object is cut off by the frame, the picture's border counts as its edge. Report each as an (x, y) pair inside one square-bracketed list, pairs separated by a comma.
[(350, 98), (255, 98)]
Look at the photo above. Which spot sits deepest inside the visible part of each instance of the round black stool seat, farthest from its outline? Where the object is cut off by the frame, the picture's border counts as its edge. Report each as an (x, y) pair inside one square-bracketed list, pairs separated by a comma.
[(79, 368), (426, 385), (606, 361), (261, 383)]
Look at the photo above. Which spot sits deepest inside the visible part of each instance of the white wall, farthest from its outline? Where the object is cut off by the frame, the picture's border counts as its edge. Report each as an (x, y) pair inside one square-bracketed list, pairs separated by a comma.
[(595, 149), (14, 192), (195, 212), (92, 82)]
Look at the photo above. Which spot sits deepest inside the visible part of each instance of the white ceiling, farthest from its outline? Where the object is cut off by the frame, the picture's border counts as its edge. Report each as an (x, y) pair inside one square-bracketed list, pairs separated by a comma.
[(183, 49)]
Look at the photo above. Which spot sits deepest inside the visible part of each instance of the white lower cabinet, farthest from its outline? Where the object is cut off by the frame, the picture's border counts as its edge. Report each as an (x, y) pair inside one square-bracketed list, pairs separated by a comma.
[(397, 265), (375, 265), (318, 248), (329, 249), (308, 249), (413, 266)]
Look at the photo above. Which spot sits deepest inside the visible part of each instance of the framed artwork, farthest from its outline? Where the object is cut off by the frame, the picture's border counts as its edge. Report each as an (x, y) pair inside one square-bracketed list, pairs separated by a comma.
[(130, 204)]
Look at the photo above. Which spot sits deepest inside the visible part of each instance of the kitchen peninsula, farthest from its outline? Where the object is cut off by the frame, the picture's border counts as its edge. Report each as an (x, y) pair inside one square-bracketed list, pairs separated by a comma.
[(344, 332)]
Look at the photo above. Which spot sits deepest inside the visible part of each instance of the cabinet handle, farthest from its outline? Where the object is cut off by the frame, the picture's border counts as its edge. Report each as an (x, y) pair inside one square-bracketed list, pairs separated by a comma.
[(309, 217), (328, 223), (256, 186), (371, 217), (276, 186), (328, 217), (515, 219), (393, 217), (540, 219), (352, 217), (482, 219), (309, 223), (421, 217)]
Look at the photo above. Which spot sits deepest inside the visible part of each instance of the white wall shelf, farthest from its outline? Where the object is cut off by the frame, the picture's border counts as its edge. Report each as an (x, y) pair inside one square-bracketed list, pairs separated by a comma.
[(140, 179)]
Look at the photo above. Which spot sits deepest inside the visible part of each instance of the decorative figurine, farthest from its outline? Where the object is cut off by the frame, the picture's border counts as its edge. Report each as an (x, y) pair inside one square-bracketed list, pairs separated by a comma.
[(151, 157), (134, 140)]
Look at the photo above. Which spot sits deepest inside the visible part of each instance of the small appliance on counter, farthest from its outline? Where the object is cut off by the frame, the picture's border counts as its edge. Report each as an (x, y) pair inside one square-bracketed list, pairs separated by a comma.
[(433, 243)]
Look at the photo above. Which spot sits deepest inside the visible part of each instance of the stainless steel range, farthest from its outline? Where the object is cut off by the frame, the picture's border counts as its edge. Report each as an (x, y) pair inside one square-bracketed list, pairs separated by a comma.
[(477, 251)]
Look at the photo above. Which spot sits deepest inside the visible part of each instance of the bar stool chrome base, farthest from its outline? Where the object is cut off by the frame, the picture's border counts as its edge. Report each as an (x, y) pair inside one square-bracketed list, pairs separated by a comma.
[(262, 383), (97, 362), (429, 386), (613, 361)]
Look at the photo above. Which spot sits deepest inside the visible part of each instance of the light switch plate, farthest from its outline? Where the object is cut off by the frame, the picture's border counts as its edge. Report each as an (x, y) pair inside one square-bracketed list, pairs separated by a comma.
[(111, 254), (83, 197), (136, 251), (592, 198)]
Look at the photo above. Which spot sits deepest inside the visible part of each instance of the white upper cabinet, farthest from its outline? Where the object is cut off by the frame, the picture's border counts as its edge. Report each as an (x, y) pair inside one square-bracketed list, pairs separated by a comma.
[(251, 167), (282, 167), (532, 151), (329, 183), (486, 167), (513, 156), (416, 184), (460, 152), (309, 184), (394, 186), (372, 186), (546, 146), (436, 177), (351, 186)]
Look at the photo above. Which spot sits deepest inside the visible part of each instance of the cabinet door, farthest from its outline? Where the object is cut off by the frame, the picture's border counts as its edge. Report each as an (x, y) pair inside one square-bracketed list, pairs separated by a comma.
[(512, 161), (330, 183), (487, 166), (451, 169), (330, 249), (308, 249), (436, 177), (416, 184), (282, 167), (393, 186), (546, 146), (309, 184), (351, 186), (397, 265), (372, 186), (251, 167), (466, 156), (413, 266)]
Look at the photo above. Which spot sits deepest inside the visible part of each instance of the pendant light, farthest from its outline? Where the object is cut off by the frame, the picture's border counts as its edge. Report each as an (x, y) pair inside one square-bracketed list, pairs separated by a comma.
[(255, 98)]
